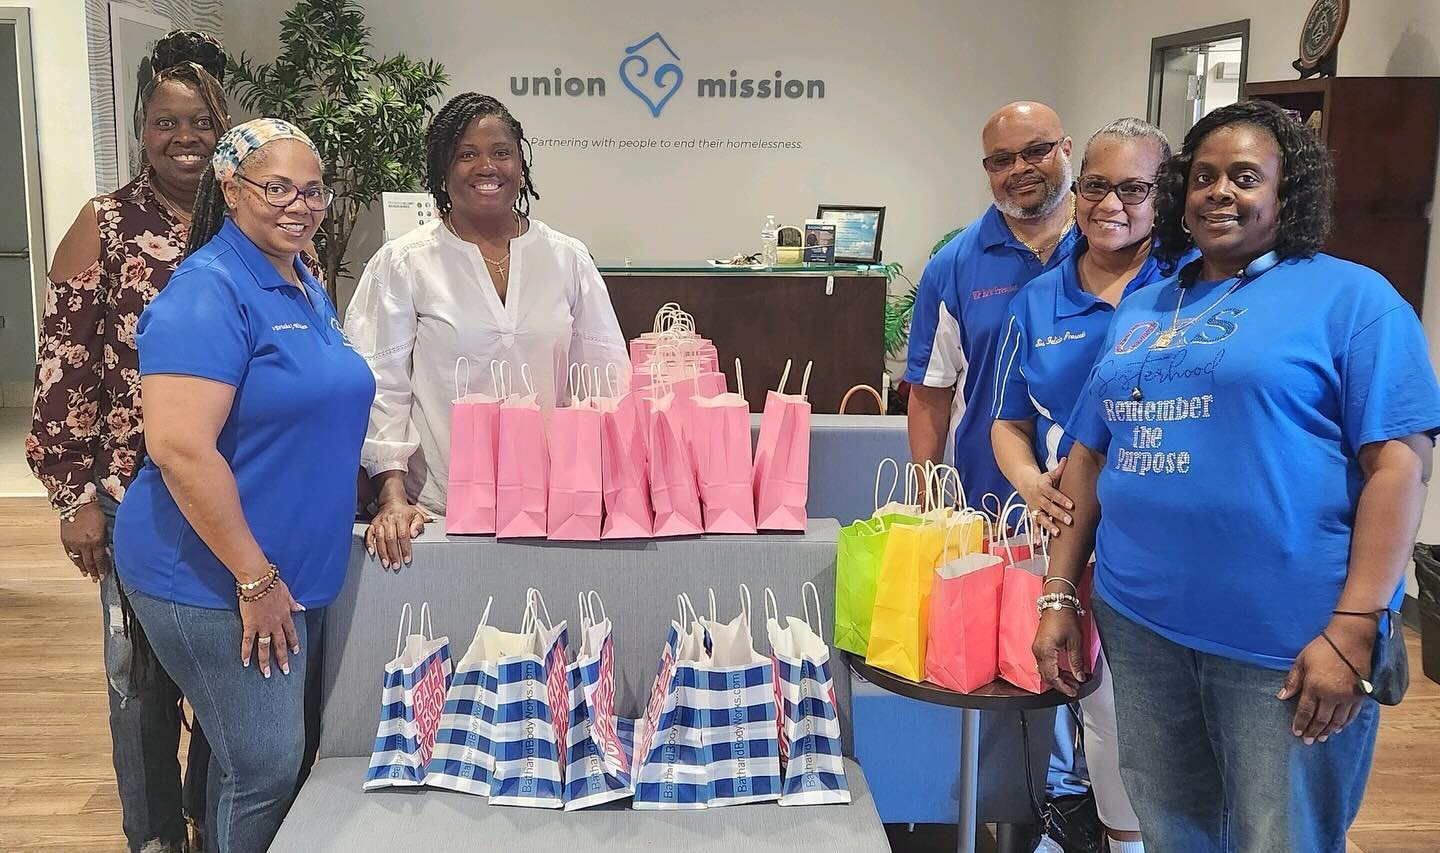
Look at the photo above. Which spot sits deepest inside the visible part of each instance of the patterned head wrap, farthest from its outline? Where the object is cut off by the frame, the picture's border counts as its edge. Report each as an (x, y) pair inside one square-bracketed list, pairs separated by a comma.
[(242, 140)]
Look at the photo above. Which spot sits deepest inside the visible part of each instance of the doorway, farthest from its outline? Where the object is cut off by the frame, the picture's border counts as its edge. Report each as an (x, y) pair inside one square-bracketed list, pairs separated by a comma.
[(22, 249), (1195, 72)]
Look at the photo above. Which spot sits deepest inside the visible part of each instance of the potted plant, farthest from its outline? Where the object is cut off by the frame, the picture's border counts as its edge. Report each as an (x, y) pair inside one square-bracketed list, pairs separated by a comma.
[(367, 116)]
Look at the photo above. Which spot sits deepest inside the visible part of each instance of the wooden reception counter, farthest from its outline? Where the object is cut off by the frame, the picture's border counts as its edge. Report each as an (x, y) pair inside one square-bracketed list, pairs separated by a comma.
[(833, 315)]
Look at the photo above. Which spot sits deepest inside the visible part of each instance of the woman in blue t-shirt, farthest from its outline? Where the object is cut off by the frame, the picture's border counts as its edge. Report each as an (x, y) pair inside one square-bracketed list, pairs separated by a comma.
[(1056, 326), (1250, 461), (234, 536)]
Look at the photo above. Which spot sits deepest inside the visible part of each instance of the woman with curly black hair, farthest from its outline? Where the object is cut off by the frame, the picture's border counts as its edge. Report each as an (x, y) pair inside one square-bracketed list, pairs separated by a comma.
[(484, 281), (1258, 430)]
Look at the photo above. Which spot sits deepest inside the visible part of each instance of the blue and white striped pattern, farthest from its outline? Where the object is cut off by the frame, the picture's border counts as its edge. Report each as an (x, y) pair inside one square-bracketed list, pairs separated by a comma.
[(531, 717), (597, 757), (736, 709), (411, 705), (815, 772), (670, 772), (462, 760)]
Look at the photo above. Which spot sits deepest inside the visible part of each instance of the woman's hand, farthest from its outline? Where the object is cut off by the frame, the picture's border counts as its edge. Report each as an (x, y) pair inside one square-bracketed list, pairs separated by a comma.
[(1045, 500), (1329, 697), (1059, 634), (391, 530), (85, 541), (269, 629)]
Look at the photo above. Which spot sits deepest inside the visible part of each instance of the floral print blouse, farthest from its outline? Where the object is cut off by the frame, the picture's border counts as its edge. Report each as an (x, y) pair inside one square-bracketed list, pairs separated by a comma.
[(86, 429)]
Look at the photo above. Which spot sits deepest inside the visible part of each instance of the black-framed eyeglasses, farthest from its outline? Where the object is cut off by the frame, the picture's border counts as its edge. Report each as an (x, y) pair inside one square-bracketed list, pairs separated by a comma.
[(1032, 154), (1095, 189), (283, 194)]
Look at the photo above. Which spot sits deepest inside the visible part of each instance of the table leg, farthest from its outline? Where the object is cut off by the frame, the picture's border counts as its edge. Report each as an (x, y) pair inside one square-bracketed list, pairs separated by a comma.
[(969, 776)]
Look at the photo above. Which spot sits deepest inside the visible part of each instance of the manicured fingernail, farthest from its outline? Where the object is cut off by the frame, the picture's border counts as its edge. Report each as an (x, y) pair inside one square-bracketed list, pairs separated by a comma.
[(1324, 738), (294, 650), (302, 607), (245, 663), (1309, 741), (1069, 520), (265, 672), (370, 551), (285, 668)]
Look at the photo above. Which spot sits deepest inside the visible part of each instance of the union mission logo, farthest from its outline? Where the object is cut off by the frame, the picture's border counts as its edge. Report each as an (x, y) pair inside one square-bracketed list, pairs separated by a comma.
[(650, 70)]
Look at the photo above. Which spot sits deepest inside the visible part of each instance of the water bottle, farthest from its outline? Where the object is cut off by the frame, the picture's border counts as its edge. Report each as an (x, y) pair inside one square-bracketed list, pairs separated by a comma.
[(769, 241)]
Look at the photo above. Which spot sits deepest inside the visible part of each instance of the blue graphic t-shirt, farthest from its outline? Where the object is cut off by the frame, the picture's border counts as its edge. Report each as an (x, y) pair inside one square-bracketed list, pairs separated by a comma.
[(960, 310), (1050, 341), (1232, 436)]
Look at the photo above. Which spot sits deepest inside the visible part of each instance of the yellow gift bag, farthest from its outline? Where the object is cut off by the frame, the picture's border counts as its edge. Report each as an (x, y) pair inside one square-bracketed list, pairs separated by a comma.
[(967, 528), (900, 619)]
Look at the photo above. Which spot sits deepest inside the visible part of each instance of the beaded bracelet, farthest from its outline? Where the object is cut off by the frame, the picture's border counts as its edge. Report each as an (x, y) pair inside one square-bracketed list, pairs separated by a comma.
[(251, 599), (1059, 601), (266, 580)]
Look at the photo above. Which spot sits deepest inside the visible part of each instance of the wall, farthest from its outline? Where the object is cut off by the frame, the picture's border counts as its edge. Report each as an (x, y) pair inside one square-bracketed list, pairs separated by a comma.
[(62, 106), (1391, 38), (907, 89)]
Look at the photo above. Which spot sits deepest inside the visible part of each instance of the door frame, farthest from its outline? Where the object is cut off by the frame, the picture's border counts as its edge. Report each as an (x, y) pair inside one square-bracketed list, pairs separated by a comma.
[(1158, 45), (30, 151)]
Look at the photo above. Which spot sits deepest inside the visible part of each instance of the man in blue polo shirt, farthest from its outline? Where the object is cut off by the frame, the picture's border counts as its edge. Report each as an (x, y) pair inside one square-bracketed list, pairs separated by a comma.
[(962, 304), (967, 287)]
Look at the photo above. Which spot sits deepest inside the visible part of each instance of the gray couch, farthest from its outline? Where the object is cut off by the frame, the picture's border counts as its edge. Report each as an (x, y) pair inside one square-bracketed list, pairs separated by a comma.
[(638, 582)]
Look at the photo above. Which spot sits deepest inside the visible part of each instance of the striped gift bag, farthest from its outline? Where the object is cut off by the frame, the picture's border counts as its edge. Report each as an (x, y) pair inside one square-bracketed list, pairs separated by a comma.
[(597, 760), (735, 696), (411, 704), (532, 709), (462, 760), (670, 769), (805, 699)]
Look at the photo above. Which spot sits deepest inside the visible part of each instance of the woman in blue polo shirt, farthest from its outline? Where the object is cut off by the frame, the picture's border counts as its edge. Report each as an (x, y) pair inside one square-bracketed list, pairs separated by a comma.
[(255, 410), (1250, 461), (1056, 326)]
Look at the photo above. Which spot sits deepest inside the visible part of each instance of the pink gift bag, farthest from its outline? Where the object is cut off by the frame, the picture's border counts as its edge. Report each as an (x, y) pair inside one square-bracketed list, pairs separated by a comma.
[(624, 479), (674, 494), (782, 458), (719, 433), (1007, 541), (962, 651), (575, 497), (523, 469), (474, 449)]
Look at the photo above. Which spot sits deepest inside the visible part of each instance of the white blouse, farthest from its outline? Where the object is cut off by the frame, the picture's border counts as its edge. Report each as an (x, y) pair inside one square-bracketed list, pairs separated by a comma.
[(426, 299)]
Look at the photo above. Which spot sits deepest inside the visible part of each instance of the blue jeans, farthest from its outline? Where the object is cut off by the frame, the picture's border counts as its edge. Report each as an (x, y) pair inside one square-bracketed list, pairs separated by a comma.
[(145, 731), (1207, 756), (262, 746)]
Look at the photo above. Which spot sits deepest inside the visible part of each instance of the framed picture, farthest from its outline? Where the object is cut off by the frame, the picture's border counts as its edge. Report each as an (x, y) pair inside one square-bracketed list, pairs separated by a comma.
[(858, 229), (133, 33)]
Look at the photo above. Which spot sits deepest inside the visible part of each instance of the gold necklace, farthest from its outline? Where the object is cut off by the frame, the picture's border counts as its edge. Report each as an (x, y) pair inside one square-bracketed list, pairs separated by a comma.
[(1040, 251), (181, 216), (500, 265)]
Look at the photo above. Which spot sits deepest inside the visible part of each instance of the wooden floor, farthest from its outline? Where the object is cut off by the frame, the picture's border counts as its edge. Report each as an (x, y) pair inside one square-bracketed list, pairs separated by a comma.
[(57, 786)]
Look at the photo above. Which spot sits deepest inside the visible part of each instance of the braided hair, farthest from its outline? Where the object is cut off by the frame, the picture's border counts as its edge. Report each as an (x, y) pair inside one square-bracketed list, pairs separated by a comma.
[(443, 135), (181, 46), (192, 58), (1306, 181)]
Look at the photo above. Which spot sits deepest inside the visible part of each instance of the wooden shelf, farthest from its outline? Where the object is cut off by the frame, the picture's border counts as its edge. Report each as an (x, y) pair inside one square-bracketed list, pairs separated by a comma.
[(1382, 133)]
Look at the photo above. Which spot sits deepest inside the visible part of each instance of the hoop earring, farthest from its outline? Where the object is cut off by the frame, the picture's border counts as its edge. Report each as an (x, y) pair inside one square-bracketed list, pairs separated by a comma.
[(1184, 227)]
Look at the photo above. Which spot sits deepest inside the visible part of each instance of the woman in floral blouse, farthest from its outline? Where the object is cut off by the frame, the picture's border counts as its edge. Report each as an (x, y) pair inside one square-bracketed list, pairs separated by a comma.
[(87, 435)]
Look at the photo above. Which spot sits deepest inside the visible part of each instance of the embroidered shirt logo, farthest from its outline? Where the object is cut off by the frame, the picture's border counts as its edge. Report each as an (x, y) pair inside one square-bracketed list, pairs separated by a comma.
[(286, 327), (1052, 340)]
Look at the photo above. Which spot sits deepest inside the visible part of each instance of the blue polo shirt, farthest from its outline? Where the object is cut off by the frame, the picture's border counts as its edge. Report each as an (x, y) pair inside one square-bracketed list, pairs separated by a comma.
[(960, 310), (1050, 341), (292, 437), (1229, 492)]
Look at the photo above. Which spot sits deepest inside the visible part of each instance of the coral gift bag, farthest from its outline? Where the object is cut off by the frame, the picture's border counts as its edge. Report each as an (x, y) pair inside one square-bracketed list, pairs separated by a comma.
[(1019, 620), (523, 470), (963, 635), (720, 440), (782, 458), (474, 449), (574, 496)]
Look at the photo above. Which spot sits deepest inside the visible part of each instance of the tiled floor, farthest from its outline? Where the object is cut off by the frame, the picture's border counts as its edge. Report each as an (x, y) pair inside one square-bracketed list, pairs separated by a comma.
[(15, 477)]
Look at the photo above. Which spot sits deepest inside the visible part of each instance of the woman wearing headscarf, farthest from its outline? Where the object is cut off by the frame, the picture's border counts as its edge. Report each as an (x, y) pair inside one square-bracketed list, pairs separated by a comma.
[(235, 534)]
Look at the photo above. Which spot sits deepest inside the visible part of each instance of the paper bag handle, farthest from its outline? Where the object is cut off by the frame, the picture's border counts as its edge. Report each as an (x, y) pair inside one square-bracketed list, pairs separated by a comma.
[(818, 625), (596, 603), (525, 377), (684, 608), (500, 374), (879, 470), (462, 389), (739, 379), (406, 623), (612, 379), (772, 610), (845, 401), (745, 602)]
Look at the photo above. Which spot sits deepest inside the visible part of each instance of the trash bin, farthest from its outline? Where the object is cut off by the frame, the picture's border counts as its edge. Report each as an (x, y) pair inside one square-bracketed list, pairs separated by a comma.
[(1427, 574)]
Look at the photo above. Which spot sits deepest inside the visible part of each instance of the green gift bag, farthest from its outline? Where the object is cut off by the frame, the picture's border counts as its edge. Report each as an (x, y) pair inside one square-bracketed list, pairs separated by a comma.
[(859, 553)]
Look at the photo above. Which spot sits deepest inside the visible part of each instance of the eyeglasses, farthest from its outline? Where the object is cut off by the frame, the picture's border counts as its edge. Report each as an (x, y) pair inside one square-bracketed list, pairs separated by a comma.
[(1032, 154), (1096, 189), (283, 193)]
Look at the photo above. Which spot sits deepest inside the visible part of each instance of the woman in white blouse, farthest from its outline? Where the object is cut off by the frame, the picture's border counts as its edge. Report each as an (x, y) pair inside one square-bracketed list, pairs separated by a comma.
[(486, 282)]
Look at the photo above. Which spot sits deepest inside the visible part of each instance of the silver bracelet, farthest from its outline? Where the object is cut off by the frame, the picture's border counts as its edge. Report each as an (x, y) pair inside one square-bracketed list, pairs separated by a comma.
[(1065, 581), (1059, 601)]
